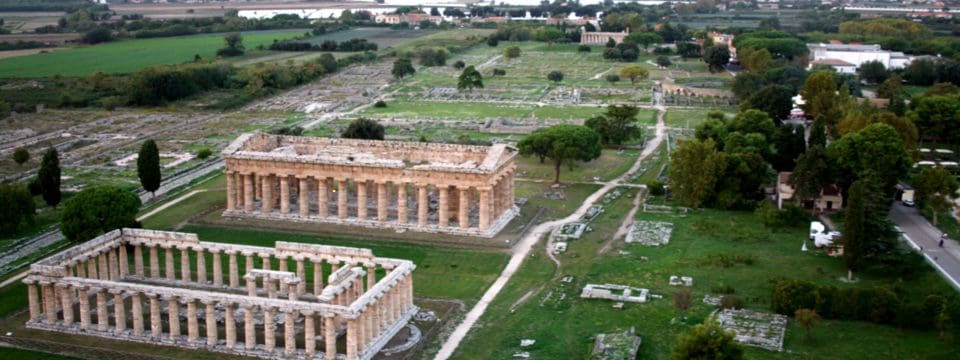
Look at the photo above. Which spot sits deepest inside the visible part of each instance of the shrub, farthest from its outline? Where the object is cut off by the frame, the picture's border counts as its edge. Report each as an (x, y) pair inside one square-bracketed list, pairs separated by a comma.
[(724, 289), (380, 104), (499, 72), (656, 187), (204, 153), (583, 48), (459, 64), (730, 302)]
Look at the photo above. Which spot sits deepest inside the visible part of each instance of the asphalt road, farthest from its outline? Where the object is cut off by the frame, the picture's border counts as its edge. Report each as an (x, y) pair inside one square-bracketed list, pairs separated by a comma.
[(922, 235)]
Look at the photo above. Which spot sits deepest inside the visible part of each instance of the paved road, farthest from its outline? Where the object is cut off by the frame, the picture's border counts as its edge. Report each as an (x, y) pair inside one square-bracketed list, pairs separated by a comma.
[(523, 248), (924, 236)]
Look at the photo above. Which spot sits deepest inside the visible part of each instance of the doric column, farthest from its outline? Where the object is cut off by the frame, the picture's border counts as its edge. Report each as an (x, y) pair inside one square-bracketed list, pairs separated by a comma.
[(266, 204), (193, 329), (171, 274), (248, 264), (463, 213), (66, 303), (173, 317), (249, 330), (248, 193), (330, 337), (382, 201), (453, 199), (138, 260), (402, 203), (257, 186), (230, 325), (303, 203), (217, 268), (265, 261), (317, 277), (484, 209), (444, 216), (231, 192), (154, 263), (302, 274), (422, 205), (114, 265), (284, 194), (104, 270), (211, 322), (269, 329), (84, 299), (136, 310), (184, 263), (323, 198), (33, 300), (201, 266), (352, 332), (283, 263), (371, 275), (234, 271), (92, 267), (119, 311), (103, 319), (156, 327), (81, 268), (342, 189), (123, 260), (361, 199), (289, 333), (309, 334)]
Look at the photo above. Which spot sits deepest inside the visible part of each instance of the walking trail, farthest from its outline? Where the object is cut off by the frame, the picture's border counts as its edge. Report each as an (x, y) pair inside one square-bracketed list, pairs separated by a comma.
[(521, 250)]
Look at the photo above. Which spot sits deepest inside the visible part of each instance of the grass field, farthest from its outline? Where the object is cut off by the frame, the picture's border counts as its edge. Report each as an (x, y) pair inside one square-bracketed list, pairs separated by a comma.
[(129, 55), (536, 305), (383, 37), (611, 164)]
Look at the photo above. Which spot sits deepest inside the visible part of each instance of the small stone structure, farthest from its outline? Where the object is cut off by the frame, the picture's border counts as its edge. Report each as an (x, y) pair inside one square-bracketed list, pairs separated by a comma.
[(90, 289), (614, 292), (754, 328), (445, 188), (681, 280), (617, 346), (651, 233)]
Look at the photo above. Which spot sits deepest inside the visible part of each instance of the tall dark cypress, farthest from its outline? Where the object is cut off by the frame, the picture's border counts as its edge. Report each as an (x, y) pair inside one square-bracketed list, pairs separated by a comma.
[(49, 175), (148, 166)]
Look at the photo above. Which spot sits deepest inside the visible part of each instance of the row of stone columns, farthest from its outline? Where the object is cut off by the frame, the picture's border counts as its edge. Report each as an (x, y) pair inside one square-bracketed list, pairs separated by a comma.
[(243, 190), (114, 264)]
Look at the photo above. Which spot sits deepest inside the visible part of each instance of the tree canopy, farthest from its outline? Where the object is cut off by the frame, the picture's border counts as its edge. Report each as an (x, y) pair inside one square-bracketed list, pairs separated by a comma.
[(936, 188), (16, 208), (778, 44), (695, 167), (49, 176), (97, 210), (616, 125), (707, 341), (21, 156), (555, 76), (402, 67), (634, 72), (563, 144), (363, 128), (469, 79), (148, 166), (716, 57)]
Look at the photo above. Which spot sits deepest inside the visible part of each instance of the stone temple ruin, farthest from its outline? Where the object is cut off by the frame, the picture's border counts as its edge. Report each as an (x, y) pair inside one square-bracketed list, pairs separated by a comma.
[(228, 312), (456, 189)]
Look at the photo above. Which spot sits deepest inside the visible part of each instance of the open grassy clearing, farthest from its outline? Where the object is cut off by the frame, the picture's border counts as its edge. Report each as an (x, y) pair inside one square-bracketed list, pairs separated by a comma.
[(11, 353), (611, 164), (565, 328), (687, 118), (130, 55)]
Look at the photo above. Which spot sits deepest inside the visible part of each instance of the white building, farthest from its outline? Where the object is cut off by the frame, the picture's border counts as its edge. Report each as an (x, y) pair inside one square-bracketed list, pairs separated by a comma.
[(856, 55), (840, 66)]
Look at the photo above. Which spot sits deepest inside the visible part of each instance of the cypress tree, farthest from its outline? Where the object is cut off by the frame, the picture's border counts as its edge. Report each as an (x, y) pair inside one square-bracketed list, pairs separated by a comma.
[(49, 175), (148, 166), (855, 228)]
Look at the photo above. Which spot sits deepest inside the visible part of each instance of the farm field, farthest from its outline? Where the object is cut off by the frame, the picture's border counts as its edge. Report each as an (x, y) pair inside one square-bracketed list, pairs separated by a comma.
[(129, 55), (383, 37)]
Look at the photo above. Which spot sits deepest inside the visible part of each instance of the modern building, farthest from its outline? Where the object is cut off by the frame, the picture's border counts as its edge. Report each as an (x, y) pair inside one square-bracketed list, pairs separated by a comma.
[(829, 199), (857, 54)]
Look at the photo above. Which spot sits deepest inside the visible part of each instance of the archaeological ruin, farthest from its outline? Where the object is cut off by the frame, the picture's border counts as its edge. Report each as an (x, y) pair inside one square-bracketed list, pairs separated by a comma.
[(90, 289), (442, 188)]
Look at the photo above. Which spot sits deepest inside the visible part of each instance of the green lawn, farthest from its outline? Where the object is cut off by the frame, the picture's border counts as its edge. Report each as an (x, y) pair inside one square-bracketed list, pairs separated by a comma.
[(11, 353), (611, 164), (564, 325), (129, 55)]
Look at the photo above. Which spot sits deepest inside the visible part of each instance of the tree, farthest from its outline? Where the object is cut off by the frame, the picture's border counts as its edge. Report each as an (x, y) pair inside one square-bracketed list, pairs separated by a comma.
[(555, 76), (549, 35), (682, 299), (811, 174), (716, 57), (98, 210), (470, 78), (612, 78), (234, 45), (431, 56), (634, 72), (807, 319), (97, 35), (876, 152), (707, 341), (16, 208), (757, 61), (891, 87), (643, 39), (49, 175), (746, 84), (820, 96), (695, 167), (611, 43), (818, 133), (459, 64), (921, 72), (148, 166), (402, 67), (622, 123), (562, 144), (854, 229), (873, 72), (363, 128), (937, 117), (775, 100), (936, 188), (512, 52), (790, 144), (493, 41), (21, 156), (688, 50), (204, 153), (663, 61)]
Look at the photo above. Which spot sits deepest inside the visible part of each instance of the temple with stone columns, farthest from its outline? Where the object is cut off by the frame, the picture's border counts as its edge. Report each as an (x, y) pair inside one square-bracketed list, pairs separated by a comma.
[(91, 289), (444, 188), (601, 38)]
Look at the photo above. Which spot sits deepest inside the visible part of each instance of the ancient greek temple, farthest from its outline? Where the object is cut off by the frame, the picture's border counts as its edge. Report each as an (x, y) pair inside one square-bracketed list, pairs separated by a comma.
[(446, 188), (601, 38), (350, 313)]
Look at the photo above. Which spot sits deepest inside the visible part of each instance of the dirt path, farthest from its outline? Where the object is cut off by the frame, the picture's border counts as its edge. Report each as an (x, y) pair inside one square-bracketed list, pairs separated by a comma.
[(625, 225), (169, 204), (489, 62), (522, 250)]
